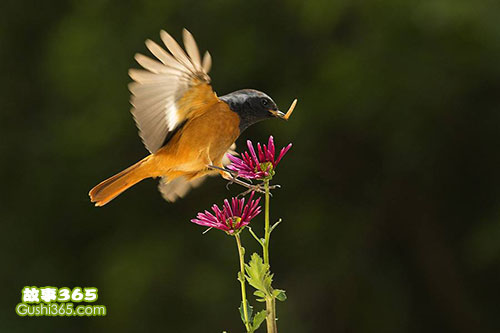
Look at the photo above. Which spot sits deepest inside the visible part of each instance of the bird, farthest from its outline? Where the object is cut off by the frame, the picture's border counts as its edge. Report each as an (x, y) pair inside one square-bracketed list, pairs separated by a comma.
[(185, 126)]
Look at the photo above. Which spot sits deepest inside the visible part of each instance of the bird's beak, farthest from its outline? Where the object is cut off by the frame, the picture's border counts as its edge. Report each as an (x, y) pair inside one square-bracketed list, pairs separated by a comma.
[(278, 114), (284, 116)]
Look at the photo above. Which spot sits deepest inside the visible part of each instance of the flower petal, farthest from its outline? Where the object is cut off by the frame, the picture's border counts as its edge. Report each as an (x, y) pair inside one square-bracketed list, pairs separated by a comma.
[(252, 151), (282, 153), (270, 148)]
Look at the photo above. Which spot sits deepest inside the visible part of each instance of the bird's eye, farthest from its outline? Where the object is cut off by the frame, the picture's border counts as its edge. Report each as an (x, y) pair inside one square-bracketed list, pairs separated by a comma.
[(265, 102)]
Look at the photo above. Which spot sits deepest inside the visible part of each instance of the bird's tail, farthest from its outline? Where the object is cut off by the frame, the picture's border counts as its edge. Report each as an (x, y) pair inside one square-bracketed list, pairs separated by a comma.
[(109, 189)]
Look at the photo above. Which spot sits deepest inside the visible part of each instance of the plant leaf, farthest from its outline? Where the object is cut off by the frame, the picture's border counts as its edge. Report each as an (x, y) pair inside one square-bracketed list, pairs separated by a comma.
[(258, 319), (258, 275), (242, 313), (279, 294)]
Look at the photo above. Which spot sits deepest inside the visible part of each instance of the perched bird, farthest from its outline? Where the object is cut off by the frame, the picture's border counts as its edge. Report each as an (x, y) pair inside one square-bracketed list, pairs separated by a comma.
[(187, 129)]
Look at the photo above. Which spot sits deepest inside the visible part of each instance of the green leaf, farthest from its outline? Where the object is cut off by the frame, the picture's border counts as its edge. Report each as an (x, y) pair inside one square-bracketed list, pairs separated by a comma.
[(258, 275), (242, 313), (258, 319), (261, 297), (279, 294)]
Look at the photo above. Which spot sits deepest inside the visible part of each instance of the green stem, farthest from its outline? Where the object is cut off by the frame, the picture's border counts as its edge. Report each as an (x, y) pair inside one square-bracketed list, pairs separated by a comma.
[(267, 230), (272, 327), (275, 224), (241, 253), (255, 236)]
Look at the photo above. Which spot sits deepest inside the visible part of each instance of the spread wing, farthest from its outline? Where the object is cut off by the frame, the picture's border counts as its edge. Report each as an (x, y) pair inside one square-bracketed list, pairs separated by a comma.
[(170, 89), (180, 186)]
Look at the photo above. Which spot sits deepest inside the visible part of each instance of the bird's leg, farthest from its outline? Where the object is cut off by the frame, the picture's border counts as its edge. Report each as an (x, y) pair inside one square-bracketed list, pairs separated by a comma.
[(233, 178), (232, 172)]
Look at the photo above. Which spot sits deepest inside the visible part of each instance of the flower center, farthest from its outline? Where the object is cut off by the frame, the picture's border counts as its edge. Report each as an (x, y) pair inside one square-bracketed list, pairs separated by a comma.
[(265, 167), (233, 221)]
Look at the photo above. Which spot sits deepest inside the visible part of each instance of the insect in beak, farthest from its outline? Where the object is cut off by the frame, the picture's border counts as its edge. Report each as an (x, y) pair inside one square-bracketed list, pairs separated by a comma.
[(284, 116)]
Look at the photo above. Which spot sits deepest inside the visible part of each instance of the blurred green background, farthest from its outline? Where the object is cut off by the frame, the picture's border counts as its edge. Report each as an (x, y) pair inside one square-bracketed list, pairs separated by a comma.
[(390, 194)]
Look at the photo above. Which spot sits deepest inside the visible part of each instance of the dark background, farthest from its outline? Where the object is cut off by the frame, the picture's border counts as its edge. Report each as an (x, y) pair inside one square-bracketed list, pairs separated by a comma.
[(390, 194)]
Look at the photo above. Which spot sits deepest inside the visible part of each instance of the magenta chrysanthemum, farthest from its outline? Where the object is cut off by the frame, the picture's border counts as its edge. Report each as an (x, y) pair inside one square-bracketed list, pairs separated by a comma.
[(232, 217), (253, 166)]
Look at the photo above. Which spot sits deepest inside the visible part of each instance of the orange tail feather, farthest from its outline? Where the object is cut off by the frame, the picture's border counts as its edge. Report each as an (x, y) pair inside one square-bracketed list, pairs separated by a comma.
[(109, 189)]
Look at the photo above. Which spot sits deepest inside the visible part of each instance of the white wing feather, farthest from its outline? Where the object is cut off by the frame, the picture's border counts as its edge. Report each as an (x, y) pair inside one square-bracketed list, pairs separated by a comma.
[(157, 88)]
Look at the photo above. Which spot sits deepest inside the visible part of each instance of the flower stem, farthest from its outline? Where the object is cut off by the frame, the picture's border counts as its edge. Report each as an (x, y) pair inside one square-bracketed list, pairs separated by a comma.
[(267, 230), (272, 327), (241, 277), (255, 236)]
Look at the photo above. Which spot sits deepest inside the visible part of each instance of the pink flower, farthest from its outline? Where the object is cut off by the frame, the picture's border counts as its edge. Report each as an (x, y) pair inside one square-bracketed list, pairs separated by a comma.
[(232, 217), (251, 166)]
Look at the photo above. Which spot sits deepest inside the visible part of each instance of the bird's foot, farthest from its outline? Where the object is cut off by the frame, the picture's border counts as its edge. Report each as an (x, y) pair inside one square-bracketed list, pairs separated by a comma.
[(232, 177), (251, 187), (258, 188)]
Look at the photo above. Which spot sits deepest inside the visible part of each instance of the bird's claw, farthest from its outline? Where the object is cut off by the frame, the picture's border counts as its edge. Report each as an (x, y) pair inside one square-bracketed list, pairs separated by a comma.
[(253, 188), (260, 188)]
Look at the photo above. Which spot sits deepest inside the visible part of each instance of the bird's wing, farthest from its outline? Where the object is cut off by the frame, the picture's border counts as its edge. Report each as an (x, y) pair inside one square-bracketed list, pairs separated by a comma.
[(169, 90), (179, 187)]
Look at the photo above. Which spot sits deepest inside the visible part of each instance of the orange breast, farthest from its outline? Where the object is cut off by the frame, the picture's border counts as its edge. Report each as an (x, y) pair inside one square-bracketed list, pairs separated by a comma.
[(204, 139)]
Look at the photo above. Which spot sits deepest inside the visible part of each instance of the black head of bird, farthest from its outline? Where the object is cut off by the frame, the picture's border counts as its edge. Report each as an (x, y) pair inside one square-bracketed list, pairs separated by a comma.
[(252, 106)]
